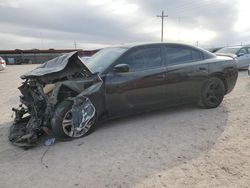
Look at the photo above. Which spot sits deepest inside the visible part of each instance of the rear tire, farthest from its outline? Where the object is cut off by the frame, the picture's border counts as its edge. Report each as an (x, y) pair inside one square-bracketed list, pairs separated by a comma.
[(61, 122), (212, 93)]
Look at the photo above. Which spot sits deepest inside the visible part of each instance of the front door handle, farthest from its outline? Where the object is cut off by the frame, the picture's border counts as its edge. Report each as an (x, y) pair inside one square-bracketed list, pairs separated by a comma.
[(202, 68), (161, 77)]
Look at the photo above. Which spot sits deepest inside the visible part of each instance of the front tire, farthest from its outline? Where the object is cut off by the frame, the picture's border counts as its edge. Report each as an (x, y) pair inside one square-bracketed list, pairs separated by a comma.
[(62, 125), (212, 93)]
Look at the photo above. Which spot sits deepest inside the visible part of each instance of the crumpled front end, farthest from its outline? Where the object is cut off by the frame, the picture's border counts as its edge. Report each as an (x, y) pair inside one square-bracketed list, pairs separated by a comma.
[(32, 116), (63, 78)]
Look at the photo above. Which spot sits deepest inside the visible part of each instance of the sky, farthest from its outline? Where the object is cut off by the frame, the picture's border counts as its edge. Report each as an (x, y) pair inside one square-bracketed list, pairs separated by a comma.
[(90, 24)]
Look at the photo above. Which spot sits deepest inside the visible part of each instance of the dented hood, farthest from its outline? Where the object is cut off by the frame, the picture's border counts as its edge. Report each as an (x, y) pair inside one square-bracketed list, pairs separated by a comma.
[(226, 54), (57, 65)]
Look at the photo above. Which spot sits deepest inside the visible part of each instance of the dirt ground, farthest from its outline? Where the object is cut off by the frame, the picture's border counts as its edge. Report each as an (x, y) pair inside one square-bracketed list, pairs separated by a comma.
[(177, 147)]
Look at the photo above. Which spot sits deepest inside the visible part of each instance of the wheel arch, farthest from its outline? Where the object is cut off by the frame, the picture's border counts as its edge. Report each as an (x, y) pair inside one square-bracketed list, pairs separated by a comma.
[(65, 92), (62, 92), (220, 76)]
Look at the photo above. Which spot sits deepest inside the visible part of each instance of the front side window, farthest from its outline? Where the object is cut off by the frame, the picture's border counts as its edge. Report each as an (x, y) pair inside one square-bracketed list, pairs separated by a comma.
[(144, 59), (242, 51), (176, 54)]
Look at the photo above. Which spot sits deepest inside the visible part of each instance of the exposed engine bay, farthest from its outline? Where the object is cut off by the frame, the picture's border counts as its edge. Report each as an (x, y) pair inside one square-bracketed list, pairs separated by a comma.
[(63, 78)]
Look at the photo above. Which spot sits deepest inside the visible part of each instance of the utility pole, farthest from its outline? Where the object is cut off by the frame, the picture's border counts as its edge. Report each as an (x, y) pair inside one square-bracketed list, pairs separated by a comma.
[(197, 43), (162, 16), (75, 44), (41, 40)]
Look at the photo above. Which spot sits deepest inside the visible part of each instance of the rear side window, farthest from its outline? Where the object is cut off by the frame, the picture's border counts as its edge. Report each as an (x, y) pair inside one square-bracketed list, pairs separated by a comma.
[(144, 59), (179, 54)]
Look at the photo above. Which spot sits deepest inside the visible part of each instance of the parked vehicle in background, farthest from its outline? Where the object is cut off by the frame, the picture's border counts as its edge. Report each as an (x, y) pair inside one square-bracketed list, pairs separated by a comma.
[(69, 96), (213, 50), (2, 64), (240, 53)]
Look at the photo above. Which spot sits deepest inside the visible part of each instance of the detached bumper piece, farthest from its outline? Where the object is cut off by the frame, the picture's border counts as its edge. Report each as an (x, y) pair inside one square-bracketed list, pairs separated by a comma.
[(24, 131)]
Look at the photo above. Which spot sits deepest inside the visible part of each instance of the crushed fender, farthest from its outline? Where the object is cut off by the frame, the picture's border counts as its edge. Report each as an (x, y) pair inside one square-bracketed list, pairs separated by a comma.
[(82, 111)]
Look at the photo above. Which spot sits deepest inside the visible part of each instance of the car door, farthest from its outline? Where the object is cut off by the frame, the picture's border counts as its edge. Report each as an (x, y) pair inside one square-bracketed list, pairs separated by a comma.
[(243, 58), (141, 87), (186, 72)]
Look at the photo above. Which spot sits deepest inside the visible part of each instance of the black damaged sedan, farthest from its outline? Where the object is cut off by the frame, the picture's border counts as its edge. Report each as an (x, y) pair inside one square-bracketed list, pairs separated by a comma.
[(66, 97)]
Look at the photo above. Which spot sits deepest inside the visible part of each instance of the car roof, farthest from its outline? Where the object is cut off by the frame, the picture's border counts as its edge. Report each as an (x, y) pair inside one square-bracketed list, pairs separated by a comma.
[(132, 45), (233, 46), (236, 46), (135, 45)]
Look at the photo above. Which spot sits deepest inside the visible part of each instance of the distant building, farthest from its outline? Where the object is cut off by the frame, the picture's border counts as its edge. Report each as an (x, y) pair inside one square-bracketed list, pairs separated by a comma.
[(35, 56)]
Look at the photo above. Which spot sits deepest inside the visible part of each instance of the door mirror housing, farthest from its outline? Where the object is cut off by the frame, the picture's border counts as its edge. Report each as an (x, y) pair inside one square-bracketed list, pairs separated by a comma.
[(121, 68)]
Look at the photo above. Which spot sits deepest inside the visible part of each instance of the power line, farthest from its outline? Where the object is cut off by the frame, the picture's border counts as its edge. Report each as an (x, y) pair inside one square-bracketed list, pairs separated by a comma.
[(195, 7), (191, 5), (162, 16)]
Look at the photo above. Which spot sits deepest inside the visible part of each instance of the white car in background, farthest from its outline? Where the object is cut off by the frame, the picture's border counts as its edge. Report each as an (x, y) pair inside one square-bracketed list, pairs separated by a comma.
[(240, 53), (2, 64)]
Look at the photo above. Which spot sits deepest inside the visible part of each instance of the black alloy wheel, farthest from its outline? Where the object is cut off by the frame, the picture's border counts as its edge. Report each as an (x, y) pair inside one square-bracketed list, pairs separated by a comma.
[(212, 93)]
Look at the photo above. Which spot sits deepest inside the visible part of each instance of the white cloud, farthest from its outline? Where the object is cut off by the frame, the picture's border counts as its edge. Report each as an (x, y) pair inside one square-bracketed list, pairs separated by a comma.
[(98, 22), (243, 23), (9, 3)]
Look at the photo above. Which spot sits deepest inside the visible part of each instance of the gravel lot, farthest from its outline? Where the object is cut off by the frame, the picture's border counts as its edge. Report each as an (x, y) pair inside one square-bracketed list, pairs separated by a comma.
[(178, 147)]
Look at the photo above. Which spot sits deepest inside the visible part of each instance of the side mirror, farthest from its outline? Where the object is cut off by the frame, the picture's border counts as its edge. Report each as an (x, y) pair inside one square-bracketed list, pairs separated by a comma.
[(121, 68), (241, 54)]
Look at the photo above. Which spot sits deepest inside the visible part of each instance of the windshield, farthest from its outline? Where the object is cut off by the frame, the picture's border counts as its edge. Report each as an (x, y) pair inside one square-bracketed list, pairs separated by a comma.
[(104, 58), (228, 50), (85, 59)]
